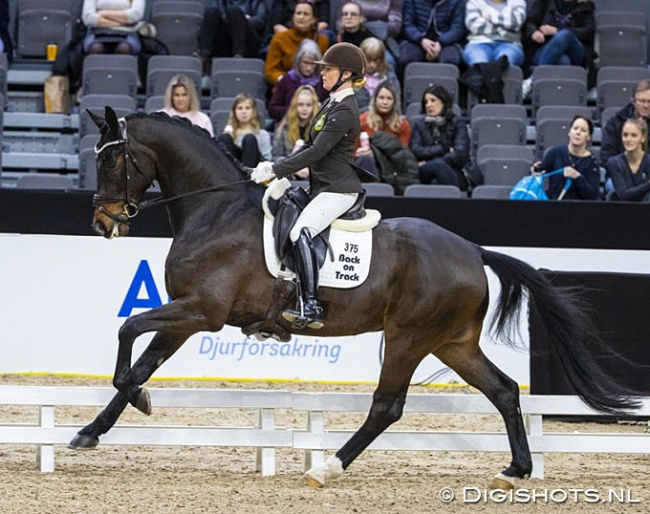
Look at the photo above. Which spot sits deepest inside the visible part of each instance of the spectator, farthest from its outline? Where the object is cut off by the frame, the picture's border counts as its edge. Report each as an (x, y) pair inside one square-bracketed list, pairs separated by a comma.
[(630, 170), (284, 44), (293, 130), (303, 73), (440, 140), (580, 166), (434, 31), (232, 28), (494, 30), (281, 18), (639, 107), (6, 45), (351, 28), (182, 100), (377, 71), (560, 32), (384, 21), (244, 136), (384, 115), (112, 25)]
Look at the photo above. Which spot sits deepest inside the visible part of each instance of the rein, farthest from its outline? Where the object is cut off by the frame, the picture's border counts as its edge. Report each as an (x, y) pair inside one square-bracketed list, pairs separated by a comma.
[(131, 207)]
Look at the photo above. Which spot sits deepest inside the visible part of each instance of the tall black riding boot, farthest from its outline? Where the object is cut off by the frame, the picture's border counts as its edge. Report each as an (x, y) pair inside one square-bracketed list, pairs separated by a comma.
[(308, 312)]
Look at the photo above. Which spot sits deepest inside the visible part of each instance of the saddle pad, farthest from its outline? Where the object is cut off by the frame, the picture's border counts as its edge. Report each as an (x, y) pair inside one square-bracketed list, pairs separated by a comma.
[(352, 254)]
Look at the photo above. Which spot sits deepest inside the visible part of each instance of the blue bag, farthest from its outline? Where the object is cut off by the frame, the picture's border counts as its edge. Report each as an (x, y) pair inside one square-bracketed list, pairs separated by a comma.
[(532, 187)]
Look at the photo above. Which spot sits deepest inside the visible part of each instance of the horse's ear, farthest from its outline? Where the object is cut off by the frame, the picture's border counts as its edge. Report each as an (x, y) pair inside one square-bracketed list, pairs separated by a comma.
[(97, 120), (111, 120)]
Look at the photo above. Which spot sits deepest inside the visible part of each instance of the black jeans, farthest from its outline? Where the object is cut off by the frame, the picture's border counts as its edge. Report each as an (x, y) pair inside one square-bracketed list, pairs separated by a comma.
[(227, 34), (249, 153), (439, 172)]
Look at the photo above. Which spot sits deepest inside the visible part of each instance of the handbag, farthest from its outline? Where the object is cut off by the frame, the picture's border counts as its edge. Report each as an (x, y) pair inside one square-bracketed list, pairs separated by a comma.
[(56, 94), (532, 187)]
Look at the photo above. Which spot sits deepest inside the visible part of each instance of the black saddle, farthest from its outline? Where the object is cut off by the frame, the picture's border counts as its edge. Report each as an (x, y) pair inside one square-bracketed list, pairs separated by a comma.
[(286, 211)]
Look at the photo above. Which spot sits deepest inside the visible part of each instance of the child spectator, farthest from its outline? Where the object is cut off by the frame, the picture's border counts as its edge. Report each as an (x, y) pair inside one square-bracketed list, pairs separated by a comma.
[(244, 136), (377, 71), (630, 170), (182, 100), (303, 73), (293, 130)]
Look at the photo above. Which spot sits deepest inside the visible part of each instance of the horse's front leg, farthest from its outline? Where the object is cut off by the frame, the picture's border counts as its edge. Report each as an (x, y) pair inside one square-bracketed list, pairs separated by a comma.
[(179, 316), (387, 407), (161, 348)]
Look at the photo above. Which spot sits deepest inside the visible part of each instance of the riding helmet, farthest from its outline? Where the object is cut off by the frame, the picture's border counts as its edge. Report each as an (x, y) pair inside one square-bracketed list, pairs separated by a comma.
[(346, 56)]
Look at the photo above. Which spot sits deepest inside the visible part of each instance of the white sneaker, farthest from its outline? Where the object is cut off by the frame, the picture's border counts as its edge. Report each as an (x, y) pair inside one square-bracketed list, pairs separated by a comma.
[(526, 88)]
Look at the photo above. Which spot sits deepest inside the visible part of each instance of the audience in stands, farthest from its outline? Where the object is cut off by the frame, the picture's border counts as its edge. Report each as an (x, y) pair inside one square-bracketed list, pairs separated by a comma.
[(182, 100), (383, 153), (560, 32), (384, 21), (377, 71), (639, 107), (581, 177), (440, 140), (244, 136), (6, 45), (292, 132), (112, 26), (351, 24), (232, 28), (304, 73), (494, 30), (282, 12), (630, 170), (284, 44), (433, 31)]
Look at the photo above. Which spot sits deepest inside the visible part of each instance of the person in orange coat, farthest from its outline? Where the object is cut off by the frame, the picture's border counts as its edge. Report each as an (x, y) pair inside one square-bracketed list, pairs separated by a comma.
[(284, 45)]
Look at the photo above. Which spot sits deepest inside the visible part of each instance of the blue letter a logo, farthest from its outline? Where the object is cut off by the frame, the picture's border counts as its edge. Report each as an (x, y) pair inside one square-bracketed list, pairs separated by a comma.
[(142, 277)]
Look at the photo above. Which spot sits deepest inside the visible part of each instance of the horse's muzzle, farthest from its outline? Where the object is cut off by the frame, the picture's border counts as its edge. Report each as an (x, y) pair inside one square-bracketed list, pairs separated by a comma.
[(106, 221)]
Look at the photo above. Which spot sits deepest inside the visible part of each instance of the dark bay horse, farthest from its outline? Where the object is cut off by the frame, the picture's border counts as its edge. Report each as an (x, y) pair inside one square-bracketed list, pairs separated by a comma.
[(428, 292)]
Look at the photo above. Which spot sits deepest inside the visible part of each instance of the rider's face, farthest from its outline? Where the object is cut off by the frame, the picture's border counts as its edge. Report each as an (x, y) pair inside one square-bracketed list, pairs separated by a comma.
[(330, 75)]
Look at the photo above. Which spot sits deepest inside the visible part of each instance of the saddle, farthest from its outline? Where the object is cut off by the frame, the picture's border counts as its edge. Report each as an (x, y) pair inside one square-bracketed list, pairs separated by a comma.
[(286, 210)]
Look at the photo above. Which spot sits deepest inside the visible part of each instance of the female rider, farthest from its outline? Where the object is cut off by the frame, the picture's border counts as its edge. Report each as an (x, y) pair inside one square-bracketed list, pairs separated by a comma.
[(334, 183)]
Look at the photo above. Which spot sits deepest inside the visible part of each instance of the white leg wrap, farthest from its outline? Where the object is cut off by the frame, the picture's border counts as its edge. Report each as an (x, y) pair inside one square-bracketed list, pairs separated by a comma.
[(332, 468)]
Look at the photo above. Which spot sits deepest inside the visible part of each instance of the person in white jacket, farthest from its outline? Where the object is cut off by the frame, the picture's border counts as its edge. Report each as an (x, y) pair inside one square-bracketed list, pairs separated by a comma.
[(112, 26), (494, 30)]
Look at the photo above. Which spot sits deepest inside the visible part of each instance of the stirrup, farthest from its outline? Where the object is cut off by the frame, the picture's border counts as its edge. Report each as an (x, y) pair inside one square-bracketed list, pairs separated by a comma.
[(305, 315)]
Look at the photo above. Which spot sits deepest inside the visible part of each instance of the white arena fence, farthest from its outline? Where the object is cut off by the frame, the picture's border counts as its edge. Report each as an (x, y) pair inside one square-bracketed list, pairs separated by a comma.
[(315, 438)]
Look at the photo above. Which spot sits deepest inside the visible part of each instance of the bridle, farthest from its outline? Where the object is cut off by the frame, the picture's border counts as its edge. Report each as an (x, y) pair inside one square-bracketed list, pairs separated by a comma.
[(131, 206)]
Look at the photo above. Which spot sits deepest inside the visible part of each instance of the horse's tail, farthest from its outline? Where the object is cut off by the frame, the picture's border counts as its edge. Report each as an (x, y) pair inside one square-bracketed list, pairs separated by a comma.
[(567, 326)]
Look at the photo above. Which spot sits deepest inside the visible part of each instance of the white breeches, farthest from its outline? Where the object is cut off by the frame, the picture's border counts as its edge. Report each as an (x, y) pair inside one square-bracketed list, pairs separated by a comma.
[(321, 212)]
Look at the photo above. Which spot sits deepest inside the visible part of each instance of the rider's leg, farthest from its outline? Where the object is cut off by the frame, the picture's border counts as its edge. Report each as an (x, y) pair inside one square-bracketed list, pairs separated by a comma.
[(316, 217)]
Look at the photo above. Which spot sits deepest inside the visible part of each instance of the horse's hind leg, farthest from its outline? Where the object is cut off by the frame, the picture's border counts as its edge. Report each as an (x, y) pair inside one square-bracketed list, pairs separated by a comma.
[(179, 317), (476, 369), (161, 348), (387, 406)]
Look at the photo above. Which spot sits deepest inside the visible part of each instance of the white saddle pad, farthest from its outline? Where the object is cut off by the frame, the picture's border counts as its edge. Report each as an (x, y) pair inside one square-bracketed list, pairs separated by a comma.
[(352, 254)]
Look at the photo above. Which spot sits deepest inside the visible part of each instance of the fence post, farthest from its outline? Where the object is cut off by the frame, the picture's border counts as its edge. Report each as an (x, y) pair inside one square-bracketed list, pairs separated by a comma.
[(45, 452), (265, 460), (315, 425)]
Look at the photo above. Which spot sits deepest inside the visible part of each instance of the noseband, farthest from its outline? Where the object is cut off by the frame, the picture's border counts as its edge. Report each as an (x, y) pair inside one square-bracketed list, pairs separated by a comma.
[(131, 207)]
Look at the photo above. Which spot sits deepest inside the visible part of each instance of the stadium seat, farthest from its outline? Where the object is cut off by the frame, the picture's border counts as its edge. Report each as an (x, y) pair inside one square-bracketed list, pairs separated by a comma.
[(230, 83), (558, 85), (110, 75), (491, 192), (497, 124), (378, 189), (622, 45), (161, 69), (178, 25), (121, 104), (432, 191), (42, 22), (44, 181), (615, 85)]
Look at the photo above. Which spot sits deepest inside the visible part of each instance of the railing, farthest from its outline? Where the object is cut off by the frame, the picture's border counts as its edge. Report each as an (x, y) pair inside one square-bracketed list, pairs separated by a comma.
[(315, 438)]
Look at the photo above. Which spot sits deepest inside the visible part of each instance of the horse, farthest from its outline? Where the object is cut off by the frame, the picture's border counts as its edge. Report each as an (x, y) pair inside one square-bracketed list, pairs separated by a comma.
[(428, 292)]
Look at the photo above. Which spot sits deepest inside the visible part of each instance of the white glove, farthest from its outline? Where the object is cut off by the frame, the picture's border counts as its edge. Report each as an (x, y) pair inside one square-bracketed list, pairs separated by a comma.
[(263, 172)]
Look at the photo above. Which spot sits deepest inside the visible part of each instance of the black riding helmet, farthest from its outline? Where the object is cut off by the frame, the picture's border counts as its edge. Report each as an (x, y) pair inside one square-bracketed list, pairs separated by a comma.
[(345, 56)]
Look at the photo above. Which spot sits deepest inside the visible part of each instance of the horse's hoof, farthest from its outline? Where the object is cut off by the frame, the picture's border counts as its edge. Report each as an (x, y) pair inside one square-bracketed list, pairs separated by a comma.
[(143, 401), (83, 442), (310, 481), (501, 481)]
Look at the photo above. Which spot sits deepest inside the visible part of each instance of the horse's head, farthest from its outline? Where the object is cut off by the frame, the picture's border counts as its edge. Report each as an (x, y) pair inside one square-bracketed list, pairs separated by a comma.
[(121, 179)]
